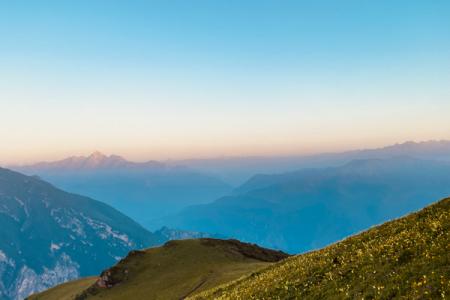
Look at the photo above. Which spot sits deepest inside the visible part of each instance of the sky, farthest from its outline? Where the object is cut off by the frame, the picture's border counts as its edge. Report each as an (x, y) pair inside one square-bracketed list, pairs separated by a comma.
[(184, 79)]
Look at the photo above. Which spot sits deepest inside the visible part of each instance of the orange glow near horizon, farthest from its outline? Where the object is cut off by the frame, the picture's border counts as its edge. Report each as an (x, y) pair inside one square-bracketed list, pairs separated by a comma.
[(291, 79), (180, 153)]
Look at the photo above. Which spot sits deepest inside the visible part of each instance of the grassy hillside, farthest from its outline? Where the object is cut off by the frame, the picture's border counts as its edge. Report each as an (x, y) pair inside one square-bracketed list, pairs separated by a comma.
[(408, 258), (173, 271), (66, 291)]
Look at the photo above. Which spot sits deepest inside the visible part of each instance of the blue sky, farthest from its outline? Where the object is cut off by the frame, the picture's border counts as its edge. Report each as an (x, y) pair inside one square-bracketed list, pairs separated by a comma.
[(173, 79)]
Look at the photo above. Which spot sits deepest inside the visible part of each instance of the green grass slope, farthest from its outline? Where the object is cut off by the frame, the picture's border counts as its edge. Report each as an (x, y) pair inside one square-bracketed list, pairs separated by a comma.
[(174, 271), (66, 291), (408, 258)]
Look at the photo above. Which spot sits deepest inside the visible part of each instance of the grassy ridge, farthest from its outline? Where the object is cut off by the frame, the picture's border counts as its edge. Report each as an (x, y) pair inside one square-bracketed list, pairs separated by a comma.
[(174, 271), (65, 291), (408, 258)]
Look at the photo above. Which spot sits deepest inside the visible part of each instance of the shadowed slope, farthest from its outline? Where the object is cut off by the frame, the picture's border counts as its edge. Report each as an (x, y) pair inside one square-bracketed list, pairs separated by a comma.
[(49, 236)]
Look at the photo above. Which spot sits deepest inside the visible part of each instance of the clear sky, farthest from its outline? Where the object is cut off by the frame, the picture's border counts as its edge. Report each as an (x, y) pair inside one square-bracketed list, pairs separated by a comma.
[(176, 79)]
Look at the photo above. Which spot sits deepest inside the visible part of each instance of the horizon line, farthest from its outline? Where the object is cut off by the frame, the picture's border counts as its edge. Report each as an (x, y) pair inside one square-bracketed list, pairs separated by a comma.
[(225, 157)]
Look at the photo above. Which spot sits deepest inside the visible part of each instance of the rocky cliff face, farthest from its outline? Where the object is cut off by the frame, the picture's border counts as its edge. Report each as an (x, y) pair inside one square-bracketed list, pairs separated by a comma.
[(28, 281), (48, 236)]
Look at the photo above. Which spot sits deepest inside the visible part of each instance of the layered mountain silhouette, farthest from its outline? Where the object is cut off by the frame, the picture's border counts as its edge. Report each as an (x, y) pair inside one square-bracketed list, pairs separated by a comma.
[(141, 190), (237, 170), (96, 160), (48, 236), (152, 190), (310, 208)]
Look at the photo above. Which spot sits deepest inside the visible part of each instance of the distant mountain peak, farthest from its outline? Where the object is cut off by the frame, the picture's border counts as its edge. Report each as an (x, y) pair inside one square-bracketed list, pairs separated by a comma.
[(95, 159), (98, 159), (430, 144), (97, 155)]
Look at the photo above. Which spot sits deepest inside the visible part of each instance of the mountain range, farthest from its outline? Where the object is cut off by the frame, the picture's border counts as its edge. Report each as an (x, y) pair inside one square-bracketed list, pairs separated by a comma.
[(237, 170), (308, 209), (142, 191), (149, 191), (96, 160)]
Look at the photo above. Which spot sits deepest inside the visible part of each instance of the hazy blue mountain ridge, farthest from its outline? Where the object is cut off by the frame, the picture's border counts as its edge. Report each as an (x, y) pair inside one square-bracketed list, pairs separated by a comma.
[(237, 170), (308, 209), (140, 190)]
